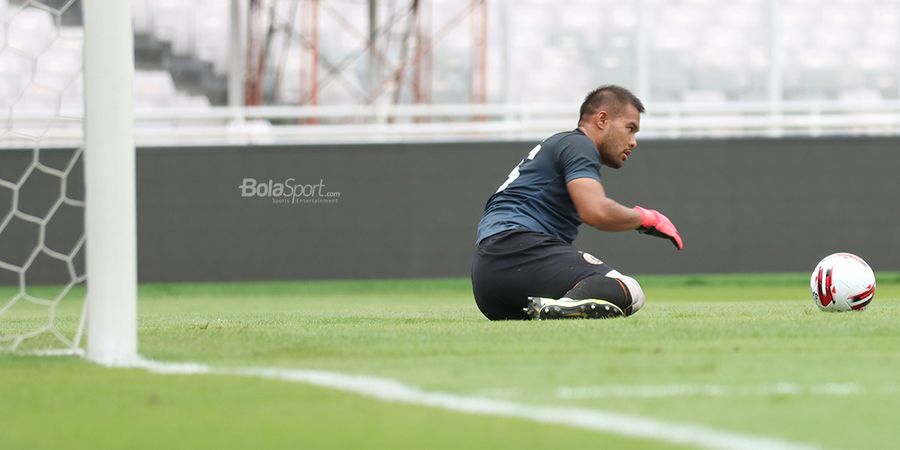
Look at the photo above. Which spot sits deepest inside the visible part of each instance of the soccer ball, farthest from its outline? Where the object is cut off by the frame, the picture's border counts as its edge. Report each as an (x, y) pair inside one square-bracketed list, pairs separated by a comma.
[(842, 282)]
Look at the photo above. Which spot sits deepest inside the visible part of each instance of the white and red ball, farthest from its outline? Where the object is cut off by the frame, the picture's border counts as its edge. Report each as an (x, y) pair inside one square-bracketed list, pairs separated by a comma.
[(842, 282)]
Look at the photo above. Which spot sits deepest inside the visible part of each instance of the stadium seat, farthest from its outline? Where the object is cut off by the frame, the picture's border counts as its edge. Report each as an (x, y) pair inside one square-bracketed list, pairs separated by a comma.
[(153, 88), (860, 96), (57, 67), (16, 72), (31, 31), (703, 96), (37, 99), (173, 22), (211, 43), (142, 16)]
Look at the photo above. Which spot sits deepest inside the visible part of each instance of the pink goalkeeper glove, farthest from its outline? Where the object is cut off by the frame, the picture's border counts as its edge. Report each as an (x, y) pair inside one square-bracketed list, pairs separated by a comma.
[(656, 224)]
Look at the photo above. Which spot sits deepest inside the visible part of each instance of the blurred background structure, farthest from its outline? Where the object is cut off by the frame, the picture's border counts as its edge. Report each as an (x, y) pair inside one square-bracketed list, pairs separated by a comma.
[(283, 71), (782, 116)]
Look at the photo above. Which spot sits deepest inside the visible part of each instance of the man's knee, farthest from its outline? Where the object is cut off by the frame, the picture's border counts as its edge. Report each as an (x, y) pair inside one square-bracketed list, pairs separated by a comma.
[(621, 290), (634, 289)]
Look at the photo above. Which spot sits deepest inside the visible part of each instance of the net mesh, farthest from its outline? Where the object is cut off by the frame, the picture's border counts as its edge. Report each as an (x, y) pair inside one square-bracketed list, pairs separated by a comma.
[(41, 177)]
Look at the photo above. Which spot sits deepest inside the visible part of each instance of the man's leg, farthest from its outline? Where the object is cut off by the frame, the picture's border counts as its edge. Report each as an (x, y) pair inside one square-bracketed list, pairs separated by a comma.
[(601, 295), (510, 267), (620, 290)]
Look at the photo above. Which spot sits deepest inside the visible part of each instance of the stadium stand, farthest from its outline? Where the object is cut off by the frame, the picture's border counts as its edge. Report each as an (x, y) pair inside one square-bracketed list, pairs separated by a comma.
[(697, 53)]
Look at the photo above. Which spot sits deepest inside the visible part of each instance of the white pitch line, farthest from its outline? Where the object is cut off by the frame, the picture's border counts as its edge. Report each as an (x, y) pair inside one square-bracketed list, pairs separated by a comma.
[(589, 419), (707, 390)]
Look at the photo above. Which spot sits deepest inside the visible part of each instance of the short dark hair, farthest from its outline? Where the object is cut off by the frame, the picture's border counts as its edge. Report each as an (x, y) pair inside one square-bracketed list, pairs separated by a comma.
[(610, 97)]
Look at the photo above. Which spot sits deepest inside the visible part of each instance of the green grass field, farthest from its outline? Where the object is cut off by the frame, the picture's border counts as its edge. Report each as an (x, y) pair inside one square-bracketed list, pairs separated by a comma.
[(743, 354)]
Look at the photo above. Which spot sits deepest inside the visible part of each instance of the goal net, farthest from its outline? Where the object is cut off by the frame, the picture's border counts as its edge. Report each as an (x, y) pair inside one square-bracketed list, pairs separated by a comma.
[(67, 160)]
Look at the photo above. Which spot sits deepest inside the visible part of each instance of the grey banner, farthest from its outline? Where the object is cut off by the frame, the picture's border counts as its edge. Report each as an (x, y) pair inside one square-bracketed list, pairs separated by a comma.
[(410, 210)]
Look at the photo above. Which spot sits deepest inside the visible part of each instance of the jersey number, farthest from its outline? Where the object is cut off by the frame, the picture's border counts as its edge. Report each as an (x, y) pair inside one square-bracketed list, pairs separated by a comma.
[(515, 172)]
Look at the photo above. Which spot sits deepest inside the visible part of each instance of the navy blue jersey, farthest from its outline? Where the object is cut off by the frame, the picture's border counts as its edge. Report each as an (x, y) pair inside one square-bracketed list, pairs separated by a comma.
[(534, 196)]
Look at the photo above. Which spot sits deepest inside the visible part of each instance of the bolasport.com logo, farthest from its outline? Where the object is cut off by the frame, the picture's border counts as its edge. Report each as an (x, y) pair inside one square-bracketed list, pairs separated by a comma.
[(288, 191)]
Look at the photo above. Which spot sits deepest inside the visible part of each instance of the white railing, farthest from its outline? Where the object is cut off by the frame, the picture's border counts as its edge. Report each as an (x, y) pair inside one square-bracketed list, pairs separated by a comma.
[(428, 123)]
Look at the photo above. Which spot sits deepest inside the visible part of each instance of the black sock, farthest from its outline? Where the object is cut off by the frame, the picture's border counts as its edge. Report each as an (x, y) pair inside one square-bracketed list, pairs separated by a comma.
[(602, 287)]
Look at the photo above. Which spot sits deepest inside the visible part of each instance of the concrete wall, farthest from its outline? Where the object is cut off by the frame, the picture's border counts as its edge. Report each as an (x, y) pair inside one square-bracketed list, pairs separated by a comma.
[(410, 210)]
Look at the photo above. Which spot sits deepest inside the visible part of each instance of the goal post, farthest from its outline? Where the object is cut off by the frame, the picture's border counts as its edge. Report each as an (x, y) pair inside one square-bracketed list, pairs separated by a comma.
[(110, 192)]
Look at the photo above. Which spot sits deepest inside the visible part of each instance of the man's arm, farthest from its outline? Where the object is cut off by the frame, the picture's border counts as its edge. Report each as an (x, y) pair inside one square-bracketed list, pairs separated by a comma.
[(599, 211)]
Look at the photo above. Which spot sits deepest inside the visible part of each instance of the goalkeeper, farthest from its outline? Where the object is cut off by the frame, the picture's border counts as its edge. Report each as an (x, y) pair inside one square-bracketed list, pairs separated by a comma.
[(525, 265)]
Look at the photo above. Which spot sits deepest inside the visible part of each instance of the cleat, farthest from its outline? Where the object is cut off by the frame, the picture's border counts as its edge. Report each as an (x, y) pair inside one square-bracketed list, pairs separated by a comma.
[(533, 310), (540, 308)]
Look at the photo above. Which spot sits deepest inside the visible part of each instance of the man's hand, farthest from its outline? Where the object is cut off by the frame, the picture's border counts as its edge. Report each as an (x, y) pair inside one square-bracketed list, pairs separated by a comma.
[(656, 224)]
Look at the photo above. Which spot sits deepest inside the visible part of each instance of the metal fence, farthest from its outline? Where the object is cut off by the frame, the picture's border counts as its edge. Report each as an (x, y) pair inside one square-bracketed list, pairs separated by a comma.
[(465, 122)]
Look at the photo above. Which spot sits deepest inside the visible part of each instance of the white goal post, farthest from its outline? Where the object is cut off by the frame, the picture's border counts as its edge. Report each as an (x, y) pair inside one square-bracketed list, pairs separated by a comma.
[(110, 203)]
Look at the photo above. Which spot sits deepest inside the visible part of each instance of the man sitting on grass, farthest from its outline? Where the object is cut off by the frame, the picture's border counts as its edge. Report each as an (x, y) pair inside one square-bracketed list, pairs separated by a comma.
[(525, 265)]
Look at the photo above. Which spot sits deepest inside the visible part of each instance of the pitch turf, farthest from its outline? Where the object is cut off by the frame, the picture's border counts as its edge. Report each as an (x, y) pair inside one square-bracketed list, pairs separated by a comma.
[(747, 354)]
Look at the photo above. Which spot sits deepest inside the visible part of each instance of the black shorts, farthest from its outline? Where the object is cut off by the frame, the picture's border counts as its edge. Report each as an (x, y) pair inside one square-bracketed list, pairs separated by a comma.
[(513, 265)]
